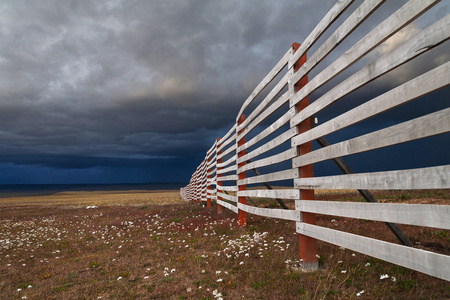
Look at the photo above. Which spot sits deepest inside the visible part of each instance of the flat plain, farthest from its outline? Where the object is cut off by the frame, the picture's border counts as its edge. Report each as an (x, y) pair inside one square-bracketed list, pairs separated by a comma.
[(152, 245)]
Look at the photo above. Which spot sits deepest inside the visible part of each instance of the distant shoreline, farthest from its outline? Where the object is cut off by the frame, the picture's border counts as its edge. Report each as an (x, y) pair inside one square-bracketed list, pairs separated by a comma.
[(23, 190)]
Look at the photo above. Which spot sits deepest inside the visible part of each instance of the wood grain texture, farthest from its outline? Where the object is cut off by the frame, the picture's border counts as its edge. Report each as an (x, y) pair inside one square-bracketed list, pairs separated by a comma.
[(284, 214), (228, 169), (423, 178), (436, 216), (420, 43), (276, 176), (428, 125), (284, 137), (228, 151), (283, 194), (413, 89), (430, 263), (267, 113), (228, 205), (272, 95), (267, 79), (317, 32), (271, 160), (227, 162), (269, 130), (350, 24), (402, 17)]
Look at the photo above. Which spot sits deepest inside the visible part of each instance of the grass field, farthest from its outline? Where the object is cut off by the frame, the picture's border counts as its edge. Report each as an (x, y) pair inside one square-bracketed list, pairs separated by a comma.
[(152, 245)]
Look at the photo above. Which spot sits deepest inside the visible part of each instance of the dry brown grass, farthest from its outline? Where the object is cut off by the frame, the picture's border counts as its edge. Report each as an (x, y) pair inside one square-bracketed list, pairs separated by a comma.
[(86, 198), (122, 252)]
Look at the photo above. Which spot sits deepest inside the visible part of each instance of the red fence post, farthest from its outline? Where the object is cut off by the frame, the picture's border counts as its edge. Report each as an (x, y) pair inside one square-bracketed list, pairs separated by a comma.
[(242, 219), (219, 183), (307, 245), (208, 183), (198, 185)]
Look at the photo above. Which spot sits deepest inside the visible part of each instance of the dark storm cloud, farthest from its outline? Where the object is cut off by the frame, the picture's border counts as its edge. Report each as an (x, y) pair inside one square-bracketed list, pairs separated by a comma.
[(109, 83)]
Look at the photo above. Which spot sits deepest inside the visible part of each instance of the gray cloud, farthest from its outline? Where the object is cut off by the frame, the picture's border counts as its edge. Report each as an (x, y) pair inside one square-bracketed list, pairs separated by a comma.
[(134, 79)]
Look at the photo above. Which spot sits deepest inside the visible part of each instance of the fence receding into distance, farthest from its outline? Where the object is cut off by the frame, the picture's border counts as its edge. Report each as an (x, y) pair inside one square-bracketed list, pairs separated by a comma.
[(271, 140)]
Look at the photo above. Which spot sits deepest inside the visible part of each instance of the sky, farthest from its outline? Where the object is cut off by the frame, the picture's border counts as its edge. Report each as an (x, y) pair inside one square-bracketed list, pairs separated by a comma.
[(137, 91)]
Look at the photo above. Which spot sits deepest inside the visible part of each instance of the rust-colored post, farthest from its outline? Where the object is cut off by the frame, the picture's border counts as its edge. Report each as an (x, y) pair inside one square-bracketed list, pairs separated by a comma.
[(198, 184), (219, 182), (208, 183), (307, 245), (242, 219)]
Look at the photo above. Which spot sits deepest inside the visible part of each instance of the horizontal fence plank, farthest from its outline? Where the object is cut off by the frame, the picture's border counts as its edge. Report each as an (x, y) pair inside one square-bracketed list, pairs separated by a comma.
[(264, 115), (261, 106), (421, 42), (229, 177), (228, 169), (284, 214), (356, 18), (229, 188), (228, 141), (226, 163), (317, 32), (428, 125), (228, 205), (228, 151), (399, 19), (423, 178), (274, 159), (212, 163), (283, 194), (212, 150), (269, 130), (213, 171), (269, 77), (417, 87), (227, 197), (272, 144), (276, 176), (427, 262), (436, 216), (224, 139)]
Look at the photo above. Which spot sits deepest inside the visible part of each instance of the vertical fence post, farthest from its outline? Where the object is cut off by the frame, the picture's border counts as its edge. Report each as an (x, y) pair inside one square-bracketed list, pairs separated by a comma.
[(208, 183), (204, 182), (219, 182), (242, 219), (198, 185), (307, 245)]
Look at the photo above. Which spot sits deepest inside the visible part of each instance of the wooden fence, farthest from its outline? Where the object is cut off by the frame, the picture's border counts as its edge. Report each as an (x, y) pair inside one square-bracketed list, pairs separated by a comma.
[(277, 131)]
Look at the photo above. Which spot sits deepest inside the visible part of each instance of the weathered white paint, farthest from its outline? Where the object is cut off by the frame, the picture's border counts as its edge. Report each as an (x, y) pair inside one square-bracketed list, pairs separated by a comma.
[(228, 205), (421, 85), (423, 178), (436, 216), (403, 16), (284, 214), (423, 41), (269, 77), (283, 194), (428, 125), (430, 263)]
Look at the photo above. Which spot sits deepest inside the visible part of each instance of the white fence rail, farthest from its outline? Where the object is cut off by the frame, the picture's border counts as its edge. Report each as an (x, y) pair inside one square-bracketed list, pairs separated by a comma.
[(276, 135)]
